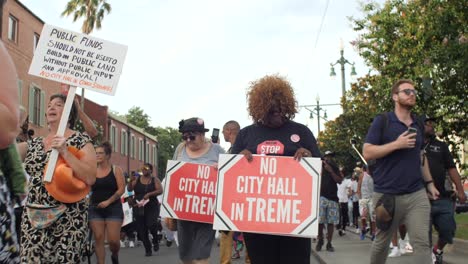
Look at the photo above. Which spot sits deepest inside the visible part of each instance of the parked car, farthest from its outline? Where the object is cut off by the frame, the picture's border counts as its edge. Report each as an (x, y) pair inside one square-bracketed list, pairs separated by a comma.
[(461, 208)]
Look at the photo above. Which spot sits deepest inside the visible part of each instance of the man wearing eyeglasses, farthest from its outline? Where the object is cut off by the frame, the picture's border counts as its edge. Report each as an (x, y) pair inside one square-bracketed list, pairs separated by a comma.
[(442, 210), (398, 177)]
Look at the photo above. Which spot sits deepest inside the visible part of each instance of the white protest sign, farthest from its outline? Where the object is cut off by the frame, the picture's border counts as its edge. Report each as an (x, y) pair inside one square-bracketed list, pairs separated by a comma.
[(78, 60)]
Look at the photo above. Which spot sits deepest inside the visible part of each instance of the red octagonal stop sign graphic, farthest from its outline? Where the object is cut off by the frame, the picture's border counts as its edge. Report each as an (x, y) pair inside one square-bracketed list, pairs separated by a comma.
[(271, 194), (189, 192)]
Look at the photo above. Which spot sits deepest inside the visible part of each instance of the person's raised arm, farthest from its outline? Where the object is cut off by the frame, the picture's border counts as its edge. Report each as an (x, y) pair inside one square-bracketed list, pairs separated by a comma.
[(88, 124)]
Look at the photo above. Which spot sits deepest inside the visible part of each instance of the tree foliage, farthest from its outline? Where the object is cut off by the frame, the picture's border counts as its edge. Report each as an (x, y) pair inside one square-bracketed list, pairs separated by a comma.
[(92, 11), (423, 40), (168, 138), (136, 116)]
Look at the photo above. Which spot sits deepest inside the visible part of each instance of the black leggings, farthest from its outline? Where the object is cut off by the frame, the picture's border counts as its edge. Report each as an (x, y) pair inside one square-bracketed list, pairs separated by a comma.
[(147, 223), (271, 249), (344, 218)]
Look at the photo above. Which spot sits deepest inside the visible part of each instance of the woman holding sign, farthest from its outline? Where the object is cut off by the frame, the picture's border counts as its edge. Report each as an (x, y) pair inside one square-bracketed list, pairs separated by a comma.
[(272, 106), (54, 227), (195, 239)]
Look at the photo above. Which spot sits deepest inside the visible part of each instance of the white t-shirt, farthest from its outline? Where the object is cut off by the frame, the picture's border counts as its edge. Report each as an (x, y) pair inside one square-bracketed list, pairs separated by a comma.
[(343, 190)]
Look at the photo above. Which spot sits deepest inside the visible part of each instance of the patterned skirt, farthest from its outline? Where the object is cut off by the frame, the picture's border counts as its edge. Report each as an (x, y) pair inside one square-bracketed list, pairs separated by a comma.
[(9, 250)]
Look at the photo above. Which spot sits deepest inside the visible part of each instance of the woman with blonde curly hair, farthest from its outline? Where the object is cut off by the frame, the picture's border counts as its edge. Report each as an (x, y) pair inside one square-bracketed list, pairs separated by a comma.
[(272, 106)]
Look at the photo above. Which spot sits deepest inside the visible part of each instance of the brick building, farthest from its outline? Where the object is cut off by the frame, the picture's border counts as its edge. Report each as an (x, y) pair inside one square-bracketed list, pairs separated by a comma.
[(20, 31)]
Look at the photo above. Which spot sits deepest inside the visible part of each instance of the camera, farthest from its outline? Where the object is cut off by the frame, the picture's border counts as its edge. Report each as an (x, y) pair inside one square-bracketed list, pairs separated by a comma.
[(215, 135)]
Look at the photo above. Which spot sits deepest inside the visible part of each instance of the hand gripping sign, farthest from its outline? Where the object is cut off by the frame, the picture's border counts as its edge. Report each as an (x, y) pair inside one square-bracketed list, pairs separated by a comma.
[(189, 191), (271, 194), (78, 60)]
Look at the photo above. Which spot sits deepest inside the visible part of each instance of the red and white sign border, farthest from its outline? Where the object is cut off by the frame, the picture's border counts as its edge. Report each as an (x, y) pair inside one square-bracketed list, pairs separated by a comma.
[(308, 228)]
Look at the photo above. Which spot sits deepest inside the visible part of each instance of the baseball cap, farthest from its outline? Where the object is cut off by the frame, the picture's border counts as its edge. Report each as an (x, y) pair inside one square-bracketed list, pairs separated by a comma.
[(329, 153)]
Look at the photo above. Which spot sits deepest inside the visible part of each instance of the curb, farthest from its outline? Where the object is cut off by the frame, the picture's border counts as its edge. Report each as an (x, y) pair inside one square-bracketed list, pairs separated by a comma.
[(317, 257)]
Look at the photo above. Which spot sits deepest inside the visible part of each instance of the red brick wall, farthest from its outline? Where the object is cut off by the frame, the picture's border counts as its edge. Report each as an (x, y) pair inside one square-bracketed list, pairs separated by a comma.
[(22, 53)]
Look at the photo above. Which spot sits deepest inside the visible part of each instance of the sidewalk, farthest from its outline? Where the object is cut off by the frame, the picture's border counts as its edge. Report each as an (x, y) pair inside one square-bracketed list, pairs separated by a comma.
[(350, 249)]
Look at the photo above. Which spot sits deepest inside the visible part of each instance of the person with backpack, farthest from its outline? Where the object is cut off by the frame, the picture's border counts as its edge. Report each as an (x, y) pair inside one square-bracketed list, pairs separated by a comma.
[(399, 177), (441, 163)]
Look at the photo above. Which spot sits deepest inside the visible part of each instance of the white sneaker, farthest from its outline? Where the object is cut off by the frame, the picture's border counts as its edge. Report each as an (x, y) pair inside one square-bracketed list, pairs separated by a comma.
[(401, 246), (131, 244), (408, 248), (395, 252), (122, 244), (358, 230)]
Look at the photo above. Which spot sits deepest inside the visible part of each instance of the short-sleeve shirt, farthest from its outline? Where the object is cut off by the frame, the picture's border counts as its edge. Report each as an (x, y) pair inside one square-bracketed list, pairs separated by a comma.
[(440, 160), (400, 171), (282, 141)]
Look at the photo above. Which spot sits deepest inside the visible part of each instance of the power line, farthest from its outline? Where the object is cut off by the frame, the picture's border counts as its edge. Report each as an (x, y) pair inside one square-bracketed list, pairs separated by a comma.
[(321, 24)]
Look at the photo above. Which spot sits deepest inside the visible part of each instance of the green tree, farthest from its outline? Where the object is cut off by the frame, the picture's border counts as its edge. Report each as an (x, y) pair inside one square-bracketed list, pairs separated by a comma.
[(92, 11), (139, 118), (168, 139), (424, 40)]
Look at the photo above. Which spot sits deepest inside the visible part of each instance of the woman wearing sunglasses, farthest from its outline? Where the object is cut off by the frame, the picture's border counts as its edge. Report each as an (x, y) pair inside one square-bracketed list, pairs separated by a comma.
[(146, 211), (195, 239)]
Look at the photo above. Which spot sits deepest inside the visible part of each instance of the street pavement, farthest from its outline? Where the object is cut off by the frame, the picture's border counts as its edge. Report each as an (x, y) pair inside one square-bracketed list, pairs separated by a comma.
[(165, 255), (348, 249)]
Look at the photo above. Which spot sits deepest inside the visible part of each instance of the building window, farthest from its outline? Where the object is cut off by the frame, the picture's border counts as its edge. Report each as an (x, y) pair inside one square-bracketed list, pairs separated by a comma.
[(13, 29), (155, 155), (132, 146), (20, 91), (147, 152), (36, 106), (140, 149), (123, 142), (113, 138), (36, 41)]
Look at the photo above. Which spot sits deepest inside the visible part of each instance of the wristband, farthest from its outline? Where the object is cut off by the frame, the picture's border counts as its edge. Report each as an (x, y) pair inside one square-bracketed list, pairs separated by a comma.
[(427, 183)]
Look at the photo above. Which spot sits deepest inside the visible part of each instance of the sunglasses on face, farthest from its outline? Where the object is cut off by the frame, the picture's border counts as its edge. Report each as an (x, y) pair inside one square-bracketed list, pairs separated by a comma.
[(409, 91), (190, 136)]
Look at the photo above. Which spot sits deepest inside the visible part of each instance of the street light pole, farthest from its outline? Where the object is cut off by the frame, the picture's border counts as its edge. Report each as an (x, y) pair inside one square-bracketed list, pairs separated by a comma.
[(316, 110), (342, 61)]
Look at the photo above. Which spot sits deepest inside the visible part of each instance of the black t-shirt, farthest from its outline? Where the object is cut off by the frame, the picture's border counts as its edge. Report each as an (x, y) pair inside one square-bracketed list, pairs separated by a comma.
[(282, 141), (440, 160), (329, 189)]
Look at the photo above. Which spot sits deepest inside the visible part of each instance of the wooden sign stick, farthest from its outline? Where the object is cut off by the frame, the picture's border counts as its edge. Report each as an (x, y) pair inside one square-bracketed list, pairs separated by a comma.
[(61, 131)]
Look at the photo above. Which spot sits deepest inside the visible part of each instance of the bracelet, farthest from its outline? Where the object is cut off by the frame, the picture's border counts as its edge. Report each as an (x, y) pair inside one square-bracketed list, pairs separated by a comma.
[(427, 183)]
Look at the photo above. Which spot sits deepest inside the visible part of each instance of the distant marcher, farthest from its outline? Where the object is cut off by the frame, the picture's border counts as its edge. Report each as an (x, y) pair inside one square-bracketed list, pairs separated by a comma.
[(329, 213), (147, 188), (105, 210), (272, 106), (442, 210), (62, 240), (195, 239), (366, 208), (343, 192)]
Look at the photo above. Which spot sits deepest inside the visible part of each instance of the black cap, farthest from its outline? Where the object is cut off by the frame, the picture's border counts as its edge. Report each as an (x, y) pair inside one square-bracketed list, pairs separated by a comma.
[(193, 124)]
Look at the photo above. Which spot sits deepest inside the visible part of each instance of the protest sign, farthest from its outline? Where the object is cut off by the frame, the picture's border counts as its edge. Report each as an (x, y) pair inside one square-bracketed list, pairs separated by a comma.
[(271, 194), (78, 60), (189, 191)]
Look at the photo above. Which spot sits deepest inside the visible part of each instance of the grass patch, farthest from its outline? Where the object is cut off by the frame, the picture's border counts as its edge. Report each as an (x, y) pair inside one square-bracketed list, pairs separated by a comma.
[(462, 226)]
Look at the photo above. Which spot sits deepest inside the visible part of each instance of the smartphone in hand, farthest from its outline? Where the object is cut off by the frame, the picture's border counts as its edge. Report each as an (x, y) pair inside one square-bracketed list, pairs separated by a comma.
[(412, 130), (215, 135)]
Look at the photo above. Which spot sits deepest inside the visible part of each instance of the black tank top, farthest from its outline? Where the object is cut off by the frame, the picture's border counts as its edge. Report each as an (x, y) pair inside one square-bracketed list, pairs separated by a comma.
[(104, 188), (142, 189)]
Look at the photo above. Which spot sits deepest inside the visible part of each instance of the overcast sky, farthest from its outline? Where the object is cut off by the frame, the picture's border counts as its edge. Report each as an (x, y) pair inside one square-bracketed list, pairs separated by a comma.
[(196, 58)]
